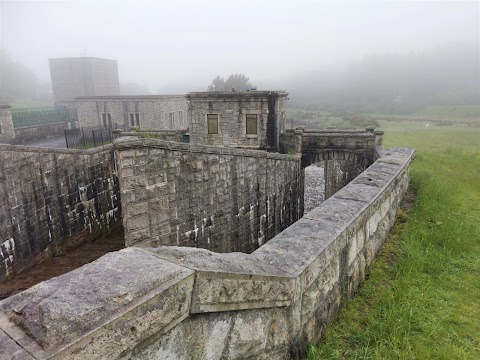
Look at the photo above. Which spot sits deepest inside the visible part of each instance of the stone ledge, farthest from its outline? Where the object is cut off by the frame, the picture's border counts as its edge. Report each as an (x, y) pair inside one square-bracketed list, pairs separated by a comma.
[(23, 148), (128, 143), (101, 309), (231, 281)]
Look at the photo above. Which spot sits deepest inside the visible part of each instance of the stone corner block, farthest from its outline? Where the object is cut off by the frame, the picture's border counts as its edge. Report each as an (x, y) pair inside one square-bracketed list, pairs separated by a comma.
[(101, 310), (231, 281)]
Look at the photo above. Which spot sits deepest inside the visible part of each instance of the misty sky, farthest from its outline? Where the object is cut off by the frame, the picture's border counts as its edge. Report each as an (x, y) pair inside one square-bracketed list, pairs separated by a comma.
[(163, 43)]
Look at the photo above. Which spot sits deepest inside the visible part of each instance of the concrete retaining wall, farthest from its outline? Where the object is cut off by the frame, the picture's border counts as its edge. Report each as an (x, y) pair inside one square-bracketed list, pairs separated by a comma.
[(53, 200), (217, 198), (187, 303), (28, 133)]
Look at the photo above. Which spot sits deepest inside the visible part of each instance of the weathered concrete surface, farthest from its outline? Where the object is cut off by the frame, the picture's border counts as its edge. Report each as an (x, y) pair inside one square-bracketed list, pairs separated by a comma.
[(232, 281), (218, 198), (99, 310), (314, 193), (62, 264), (304, 271), (53, 200)]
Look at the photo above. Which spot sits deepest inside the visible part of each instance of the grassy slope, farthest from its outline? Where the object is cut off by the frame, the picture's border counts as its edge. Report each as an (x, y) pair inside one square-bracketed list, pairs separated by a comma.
[(466, 114), (422, 297)]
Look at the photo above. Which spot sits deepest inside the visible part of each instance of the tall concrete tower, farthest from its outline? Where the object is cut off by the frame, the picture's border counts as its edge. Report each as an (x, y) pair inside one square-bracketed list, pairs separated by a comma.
[(83, 76)]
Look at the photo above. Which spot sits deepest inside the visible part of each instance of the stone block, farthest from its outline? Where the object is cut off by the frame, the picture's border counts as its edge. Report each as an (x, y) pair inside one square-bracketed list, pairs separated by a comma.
[(101, 310)]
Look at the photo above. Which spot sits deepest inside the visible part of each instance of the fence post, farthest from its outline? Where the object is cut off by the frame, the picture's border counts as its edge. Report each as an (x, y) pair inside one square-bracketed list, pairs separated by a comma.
[(93, 135), (83, 138), (66, 138)]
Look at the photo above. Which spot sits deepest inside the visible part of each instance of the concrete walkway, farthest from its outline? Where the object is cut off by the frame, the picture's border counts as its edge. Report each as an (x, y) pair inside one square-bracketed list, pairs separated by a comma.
[(57, 142), (60, 265)]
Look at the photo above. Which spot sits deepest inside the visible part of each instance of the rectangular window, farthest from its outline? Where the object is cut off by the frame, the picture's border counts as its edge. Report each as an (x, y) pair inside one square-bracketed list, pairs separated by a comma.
[(135, 119), (107, 119), (251, 124), (212, 120), (180, 117), (172, 120)]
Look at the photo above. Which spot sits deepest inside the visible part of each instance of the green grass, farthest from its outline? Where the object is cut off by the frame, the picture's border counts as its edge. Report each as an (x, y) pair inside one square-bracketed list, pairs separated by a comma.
[(441, 115), (29, 104), (422, 296)]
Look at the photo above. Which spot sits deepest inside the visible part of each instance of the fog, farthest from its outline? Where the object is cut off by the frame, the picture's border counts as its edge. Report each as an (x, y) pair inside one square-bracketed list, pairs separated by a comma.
[(178, 46)]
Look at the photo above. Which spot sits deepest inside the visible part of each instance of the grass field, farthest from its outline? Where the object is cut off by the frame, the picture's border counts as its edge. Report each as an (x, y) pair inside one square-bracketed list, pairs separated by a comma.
[(421, 299), (30, 104)]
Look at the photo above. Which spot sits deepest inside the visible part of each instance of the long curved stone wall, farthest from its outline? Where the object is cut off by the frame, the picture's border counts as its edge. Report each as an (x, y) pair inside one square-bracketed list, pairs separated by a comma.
[(188, 303)]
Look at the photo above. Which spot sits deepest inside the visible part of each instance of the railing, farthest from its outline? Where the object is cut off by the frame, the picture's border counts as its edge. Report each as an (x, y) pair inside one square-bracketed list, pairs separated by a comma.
[(88, 137), (42, 116)]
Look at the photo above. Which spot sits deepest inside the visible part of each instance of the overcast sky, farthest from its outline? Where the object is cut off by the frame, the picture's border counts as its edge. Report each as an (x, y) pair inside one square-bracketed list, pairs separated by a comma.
[(159, 43)]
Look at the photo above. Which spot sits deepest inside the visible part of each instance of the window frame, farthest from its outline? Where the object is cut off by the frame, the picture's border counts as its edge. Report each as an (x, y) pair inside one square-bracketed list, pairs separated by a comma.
[(134, 120), (253, 135), (106, 119), (208, 124), (180, 117)]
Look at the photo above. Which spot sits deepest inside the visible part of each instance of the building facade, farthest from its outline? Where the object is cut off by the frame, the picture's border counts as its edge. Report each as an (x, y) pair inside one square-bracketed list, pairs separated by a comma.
[(83, 76), (251, 119), (146, 112)]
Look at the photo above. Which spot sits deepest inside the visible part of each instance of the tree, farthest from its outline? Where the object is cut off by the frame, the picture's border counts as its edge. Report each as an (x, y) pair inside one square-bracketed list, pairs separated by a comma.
[(218, 84), (235, 82)]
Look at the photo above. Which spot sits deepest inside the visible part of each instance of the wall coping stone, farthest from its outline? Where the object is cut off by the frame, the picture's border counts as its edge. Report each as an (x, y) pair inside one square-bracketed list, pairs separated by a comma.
[(24, 148), (129, 97), (340, 134), (128, 143), (94, 302), (235, 95)]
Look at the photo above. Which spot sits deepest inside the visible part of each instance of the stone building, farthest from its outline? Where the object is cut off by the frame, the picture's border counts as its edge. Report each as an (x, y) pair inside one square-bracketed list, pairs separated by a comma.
[(147, 112), (83, 76), (253, 119)]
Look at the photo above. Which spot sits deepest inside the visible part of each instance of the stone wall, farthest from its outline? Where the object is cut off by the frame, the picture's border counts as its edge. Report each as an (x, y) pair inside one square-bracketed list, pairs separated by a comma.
[(187, 303), (7, 133), (167, 135), (217, 198), (344, 154), (314, 193), (154, 111), (28, 133), (232, 109), (53, 200)]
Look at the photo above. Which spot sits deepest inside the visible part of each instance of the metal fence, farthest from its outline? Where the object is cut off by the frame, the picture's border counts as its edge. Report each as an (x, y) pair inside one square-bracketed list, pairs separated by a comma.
[(42, 116), (88, 137)]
